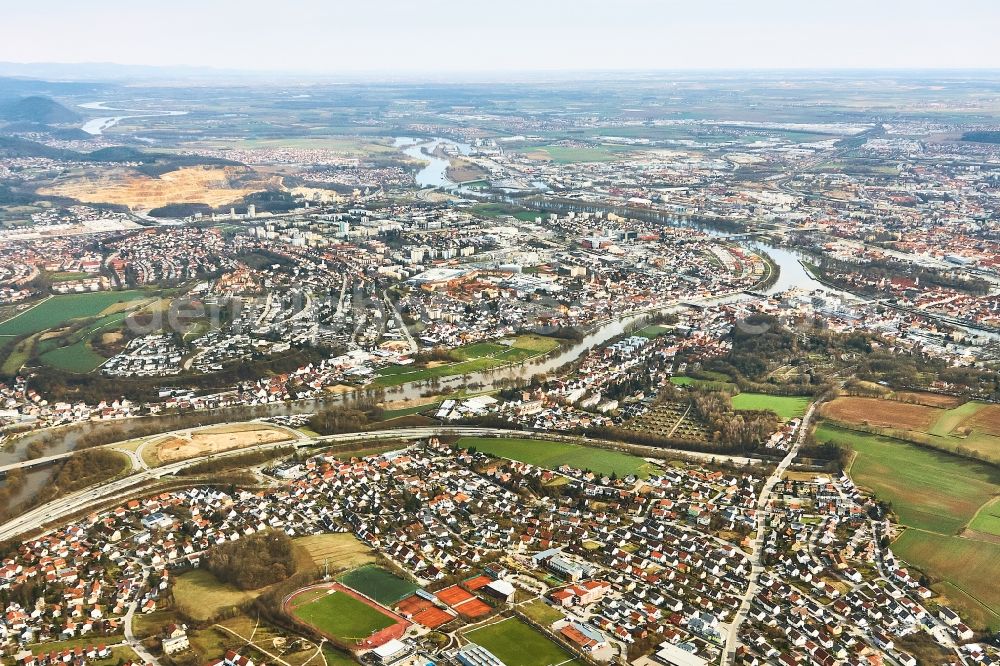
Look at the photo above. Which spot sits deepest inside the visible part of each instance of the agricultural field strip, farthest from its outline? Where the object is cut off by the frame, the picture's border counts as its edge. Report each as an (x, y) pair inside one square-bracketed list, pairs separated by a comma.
[(939, 497)]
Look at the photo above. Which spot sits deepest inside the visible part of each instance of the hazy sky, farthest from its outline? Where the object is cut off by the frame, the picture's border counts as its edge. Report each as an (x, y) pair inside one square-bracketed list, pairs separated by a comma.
[(333, 36)]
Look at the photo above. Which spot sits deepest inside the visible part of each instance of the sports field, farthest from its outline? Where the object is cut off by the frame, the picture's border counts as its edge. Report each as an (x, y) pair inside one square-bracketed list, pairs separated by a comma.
[(553, 455), (517, 644), (498, 209), (786, 407), (339, 615), (571, 154), (653, 331), (471, 358), (60, 309), (383, 586)]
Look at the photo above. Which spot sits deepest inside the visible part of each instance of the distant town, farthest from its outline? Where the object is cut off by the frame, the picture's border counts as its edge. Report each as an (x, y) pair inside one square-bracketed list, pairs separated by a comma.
[(504, 374)]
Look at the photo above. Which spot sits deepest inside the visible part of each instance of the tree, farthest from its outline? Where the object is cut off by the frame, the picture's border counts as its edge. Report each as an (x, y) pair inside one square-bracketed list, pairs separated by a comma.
[(254, 561)]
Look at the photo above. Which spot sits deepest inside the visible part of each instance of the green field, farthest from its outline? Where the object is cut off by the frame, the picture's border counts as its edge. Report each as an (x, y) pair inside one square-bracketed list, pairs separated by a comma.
[(552, 455), (471, 358), (78, 358), (952, 418), (60, 309), (498, 209), (936, 495), (541, 612), (341, 616), (928, 489), (967, 565), (517, 644), (76, 355), (571, 154), (68, 276), (383, 586), (201, 596), (959, 427), (786, 407), (337, 658), (987, 520), (654, 331), (17, 355)]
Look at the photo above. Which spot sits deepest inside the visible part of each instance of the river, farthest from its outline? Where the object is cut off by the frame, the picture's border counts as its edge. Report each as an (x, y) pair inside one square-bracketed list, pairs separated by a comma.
[(792, 274), (96, 126), (435, 171), (434, 174)]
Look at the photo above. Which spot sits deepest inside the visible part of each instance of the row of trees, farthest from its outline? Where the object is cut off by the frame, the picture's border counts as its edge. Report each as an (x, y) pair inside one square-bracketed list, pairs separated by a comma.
[(830, 269)]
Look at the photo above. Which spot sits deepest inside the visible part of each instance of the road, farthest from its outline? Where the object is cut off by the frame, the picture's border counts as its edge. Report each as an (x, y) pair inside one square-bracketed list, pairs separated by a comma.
[(757, 548), (132, 484), (407, 433), (44, 460), (400, 324), (87, 498), (133, 642)]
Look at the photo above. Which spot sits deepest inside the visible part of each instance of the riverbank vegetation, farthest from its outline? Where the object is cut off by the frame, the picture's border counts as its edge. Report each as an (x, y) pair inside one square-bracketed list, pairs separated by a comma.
[(80, 470)]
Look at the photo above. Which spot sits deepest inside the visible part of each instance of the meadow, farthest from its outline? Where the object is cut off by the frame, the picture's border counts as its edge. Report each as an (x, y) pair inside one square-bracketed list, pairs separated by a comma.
[(987, 519), (76, 354), (964, 564), (950, 508), (201, 596), (553, 455), (786, 407), (517, 644), (59, 309), (471, 358), (77, 357), (928, 489)]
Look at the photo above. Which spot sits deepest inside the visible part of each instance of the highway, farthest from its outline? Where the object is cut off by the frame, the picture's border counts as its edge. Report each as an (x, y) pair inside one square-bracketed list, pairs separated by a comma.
[(133, 484), (25, 464)]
